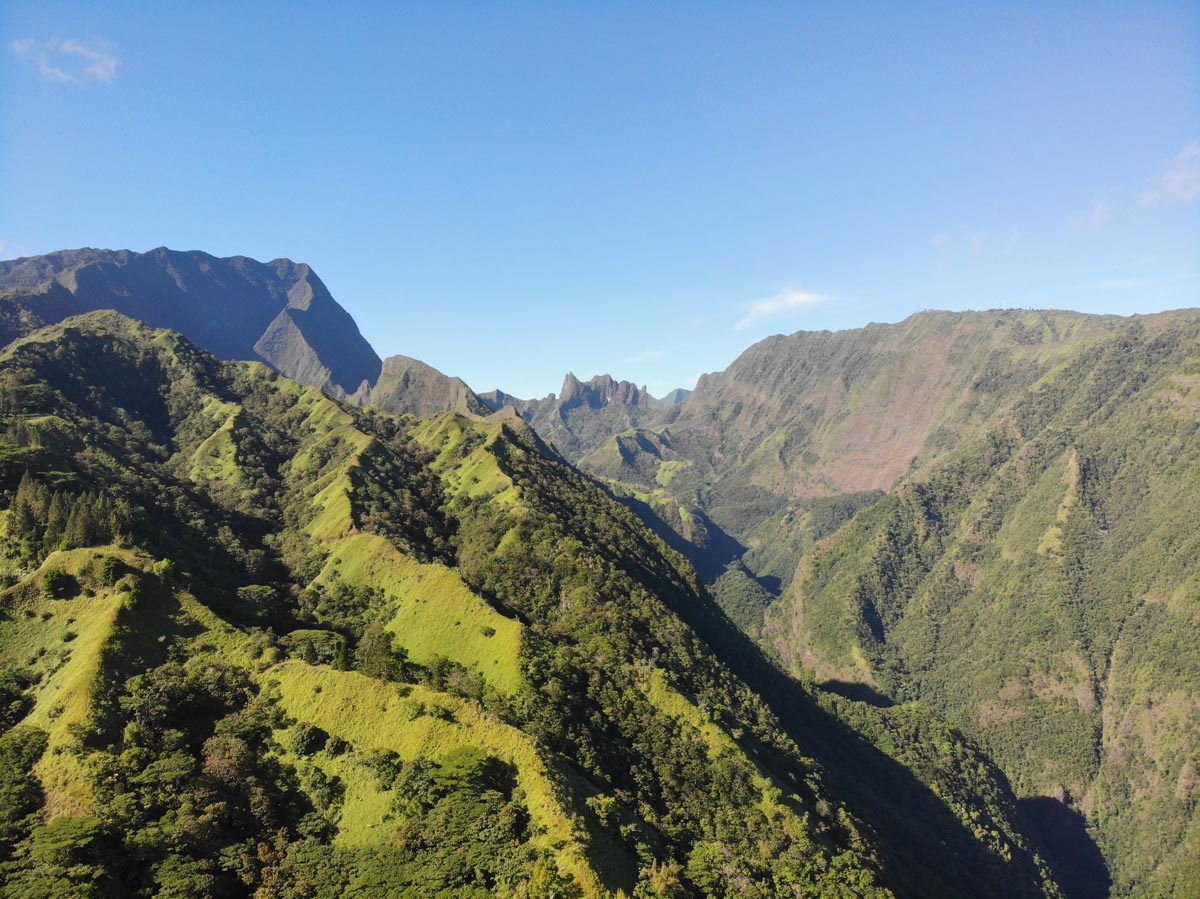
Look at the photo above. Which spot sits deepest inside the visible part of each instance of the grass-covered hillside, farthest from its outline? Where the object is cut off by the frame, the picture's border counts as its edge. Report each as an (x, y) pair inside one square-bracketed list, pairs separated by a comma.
[(257, 642), (1039, 584)]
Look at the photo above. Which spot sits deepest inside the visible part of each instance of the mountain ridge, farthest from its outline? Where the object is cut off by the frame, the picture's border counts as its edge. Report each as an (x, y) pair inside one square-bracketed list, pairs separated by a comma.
[(351, 641), (278, 311), (864, 505)]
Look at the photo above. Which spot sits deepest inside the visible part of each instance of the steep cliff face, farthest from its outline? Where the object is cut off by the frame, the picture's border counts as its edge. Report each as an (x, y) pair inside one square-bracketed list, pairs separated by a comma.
[(408, 385), (601, 391), (824, 413), (278, 312), (1038, 585), (584, 414)]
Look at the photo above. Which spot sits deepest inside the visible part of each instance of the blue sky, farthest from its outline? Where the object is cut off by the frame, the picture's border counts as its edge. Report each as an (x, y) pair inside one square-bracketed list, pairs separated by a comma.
[(509, 191)]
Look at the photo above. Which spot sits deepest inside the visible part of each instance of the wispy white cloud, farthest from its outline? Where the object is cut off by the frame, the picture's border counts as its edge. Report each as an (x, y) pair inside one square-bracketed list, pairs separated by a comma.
[(99, 58), (1179, 180), (31, 51), (1099, 214), (645, 356), (939, 240), (1159, 283), (785, 301), (72, 61)]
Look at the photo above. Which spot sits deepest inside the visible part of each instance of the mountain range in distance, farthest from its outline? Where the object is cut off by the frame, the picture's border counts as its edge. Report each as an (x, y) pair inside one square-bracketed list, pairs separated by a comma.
[(975, 526), (278, 312)]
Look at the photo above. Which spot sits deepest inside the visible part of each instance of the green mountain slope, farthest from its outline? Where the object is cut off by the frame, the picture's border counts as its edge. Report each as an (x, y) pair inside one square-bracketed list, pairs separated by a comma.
[(1038, 585), (900, 430), (254, 641), (844, 414)]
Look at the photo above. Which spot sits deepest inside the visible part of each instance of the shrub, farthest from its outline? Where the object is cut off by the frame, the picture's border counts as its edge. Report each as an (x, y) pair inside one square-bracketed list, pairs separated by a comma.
[(109, 570), (57, 584)]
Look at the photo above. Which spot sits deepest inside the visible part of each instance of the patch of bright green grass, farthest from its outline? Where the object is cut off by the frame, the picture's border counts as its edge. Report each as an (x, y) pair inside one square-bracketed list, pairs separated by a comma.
[(472, 472), (60, 640), (226, 641), (435, 613), (215, 459), (374, 715), (669, 469)]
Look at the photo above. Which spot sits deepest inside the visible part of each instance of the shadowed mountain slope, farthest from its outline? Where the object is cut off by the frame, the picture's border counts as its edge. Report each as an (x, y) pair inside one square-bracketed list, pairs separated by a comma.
[(991, 513)]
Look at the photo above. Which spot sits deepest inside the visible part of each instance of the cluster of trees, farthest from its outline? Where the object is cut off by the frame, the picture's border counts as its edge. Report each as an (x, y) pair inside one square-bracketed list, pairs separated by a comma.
[(195, 797), (20, 790), (42, 520), (398, 496), (352, 634)]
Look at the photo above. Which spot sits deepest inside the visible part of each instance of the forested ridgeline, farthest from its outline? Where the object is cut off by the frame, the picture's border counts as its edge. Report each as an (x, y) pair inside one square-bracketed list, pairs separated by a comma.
[(256, 642)]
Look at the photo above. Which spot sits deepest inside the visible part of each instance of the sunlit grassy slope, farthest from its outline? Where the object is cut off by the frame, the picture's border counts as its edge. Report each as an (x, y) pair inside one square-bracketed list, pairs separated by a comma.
[(400, 718), (433, 612)]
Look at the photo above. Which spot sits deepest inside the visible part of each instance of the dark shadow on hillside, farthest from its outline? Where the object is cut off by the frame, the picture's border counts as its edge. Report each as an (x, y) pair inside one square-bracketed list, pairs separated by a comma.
[(1071, 853), (858, 692), (719, 549), (770, 583), (709, 560), (924, 849)]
